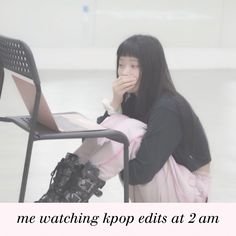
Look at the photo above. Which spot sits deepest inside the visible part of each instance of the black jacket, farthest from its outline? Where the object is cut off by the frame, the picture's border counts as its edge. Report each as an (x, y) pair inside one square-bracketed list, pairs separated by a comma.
[(166, 135)]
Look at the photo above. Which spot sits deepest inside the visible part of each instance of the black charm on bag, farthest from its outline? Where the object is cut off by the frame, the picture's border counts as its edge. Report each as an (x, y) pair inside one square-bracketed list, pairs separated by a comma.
[(84, 185), (73, 182)]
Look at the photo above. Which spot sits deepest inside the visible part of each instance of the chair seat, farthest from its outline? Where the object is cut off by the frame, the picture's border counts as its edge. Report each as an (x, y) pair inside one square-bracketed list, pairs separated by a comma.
[(43, 133)]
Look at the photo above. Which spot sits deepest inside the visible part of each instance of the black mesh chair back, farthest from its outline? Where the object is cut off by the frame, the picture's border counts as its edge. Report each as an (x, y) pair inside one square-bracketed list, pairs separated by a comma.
[(16, 56)]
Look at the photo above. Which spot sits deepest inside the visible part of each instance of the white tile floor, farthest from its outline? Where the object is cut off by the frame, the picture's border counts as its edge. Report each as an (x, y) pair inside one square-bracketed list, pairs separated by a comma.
[(212, 94)]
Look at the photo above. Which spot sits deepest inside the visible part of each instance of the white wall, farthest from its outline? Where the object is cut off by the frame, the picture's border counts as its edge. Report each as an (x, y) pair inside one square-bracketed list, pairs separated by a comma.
[(98, 26), (65, 23)]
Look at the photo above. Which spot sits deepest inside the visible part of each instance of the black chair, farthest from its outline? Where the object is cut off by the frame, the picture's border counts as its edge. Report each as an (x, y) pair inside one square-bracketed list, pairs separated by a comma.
[(16, 56)]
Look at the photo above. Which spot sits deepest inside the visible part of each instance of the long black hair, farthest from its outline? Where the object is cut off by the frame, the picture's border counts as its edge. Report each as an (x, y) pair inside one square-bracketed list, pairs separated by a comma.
[(155, 80)]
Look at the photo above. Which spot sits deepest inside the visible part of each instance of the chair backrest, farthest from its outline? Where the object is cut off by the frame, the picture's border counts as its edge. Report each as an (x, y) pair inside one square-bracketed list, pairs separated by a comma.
[(17, 57)]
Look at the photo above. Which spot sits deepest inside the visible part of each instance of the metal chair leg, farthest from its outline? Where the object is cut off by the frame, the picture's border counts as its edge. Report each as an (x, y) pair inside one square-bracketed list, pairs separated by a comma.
[(126, 173), (26, 168)]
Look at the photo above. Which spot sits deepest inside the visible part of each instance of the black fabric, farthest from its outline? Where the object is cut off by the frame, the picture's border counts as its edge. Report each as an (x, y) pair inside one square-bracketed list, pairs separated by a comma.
[(128, 106), (169, 132), (100, 119), (160, 140)]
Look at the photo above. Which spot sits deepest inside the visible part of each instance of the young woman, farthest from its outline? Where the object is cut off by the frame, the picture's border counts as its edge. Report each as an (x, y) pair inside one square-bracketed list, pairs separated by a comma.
[(169, 153)]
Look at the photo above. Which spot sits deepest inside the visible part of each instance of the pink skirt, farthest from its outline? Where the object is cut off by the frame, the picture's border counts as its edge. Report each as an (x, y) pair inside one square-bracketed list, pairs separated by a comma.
[(172, 183)]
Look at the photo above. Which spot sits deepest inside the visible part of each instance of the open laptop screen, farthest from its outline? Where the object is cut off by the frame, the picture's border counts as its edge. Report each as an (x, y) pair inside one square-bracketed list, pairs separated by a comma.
[(28, 91)]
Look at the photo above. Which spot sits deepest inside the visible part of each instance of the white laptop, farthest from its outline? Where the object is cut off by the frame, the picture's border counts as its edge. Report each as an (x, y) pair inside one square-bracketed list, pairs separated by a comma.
[(61, 122)]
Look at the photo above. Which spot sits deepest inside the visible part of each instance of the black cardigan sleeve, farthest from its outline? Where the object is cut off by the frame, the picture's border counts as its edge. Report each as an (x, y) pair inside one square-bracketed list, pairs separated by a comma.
[(160, 140), (100, 119)]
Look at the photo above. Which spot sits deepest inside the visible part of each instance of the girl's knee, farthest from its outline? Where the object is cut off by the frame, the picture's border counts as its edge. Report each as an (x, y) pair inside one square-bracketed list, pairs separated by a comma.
[(130, 127)]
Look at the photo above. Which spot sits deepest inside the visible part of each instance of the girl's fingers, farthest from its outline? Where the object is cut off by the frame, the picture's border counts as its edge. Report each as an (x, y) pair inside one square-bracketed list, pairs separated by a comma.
[(125, 79), (124, 86), (127, 85), (127, 89)]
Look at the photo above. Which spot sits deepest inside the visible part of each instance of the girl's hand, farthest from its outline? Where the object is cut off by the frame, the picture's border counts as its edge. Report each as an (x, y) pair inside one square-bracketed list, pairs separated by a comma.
[(120, 86)]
